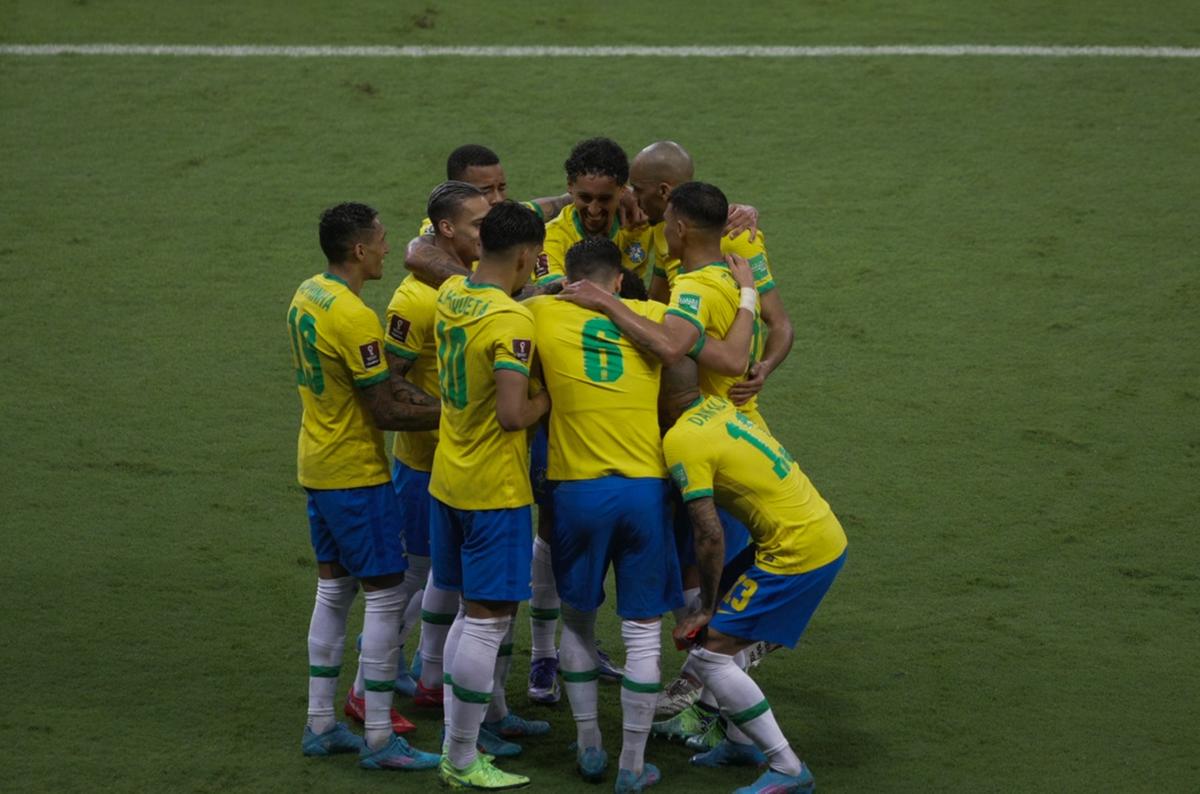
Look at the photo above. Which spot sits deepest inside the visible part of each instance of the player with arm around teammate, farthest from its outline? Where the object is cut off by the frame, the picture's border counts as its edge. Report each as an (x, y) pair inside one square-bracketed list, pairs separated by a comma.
[(348, 399)]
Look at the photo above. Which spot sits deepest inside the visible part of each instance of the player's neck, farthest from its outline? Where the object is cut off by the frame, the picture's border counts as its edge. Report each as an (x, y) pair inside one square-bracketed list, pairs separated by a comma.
[(701, 255), (493, 273), (447, 247), (352, 277)]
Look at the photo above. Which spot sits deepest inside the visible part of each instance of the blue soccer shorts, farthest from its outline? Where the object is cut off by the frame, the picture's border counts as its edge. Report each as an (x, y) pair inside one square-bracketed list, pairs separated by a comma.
[(359, 528), (772, 607), (484, 554), (625, 521), (412, 491)]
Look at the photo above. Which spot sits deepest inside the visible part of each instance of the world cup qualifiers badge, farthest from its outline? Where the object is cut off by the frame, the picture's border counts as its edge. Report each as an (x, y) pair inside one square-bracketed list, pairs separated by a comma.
[(521, 349), (398, 328), (636, 253), (370, 354)]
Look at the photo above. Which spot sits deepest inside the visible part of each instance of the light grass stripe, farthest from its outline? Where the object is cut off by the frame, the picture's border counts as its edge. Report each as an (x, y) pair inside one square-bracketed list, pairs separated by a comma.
[(749, 51)]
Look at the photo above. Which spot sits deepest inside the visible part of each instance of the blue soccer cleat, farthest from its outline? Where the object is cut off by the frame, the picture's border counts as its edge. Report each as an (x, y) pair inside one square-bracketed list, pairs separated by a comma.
[(628, 783), (772, 782), (397, 754), (729, 753), (405, 684), (592, 763), (338, 739), (512, 727)]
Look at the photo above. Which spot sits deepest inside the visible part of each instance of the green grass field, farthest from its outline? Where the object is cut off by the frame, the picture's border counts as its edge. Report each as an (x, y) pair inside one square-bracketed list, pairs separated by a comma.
[(992, 264)]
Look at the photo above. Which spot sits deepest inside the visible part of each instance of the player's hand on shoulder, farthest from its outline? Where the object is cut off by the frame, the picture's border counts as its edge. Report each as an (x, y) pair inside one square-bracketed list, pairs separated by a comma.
[(741, 217), (586, 294), (741, 271)]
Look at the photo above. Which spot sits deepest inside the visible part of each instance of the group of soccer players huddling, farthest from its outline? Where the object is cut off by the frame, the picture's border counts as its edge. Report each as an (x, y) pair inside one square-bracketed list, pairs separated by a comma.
[(598, 353)]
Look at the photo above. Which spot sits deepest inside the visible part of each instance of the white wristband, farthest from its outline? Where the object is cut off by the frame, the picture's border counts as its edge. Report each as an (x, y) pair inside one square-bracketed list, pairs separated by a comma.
[(749, 299)]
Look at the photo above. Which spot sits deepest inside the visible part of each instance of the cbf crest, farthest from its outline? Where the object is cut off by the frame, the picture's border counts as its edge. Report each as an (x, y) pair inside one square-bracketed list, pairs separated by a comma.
[(636, 253)]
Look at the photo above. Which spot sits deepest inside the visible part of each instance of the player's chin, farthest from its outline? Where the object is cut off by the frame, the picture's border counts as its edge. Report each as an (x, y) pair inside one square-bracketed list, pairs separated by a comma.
[(596, 226)]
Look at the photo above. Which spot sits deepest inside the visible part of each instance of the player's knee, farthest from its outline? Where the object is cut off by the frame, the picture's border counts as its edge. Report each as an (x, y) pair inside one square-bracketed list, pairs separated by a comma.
[(337, 594)]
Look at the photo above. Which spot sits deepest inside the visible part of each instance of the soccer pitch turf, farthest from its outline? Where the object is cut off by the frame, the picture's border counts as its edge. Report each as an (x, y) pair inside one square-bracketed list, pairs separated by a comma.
[(991, 263)]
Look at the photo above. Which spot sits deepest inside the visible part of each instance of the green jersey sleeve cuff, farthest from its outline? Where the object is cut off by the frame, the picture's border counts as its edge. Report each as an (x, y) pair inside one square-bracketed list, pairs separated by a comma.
[(537, 210), (696, 348), (514, 366), (688, 317), (396, 350), (660, 272), (371, 380), (700, 493), (766, 286)]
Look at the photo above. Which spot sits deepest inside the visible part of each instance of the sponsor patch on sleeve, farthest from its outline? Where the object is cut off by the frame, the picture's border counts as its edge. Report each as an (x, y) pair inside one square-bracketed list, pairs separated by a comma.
[(521, 349), (690, 302), (758, 266), (679, 475), (398, 328), (370, 354)]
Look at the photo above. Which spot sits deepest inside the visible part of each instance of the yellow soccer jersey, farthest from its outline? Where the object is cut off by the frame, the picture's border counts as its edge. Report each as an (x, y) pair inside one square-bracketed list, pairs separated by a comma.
[(566, 230), (337, 345), (753, 252), (603, 393), (713, 450), (410, 335), (478, 465), (426, 226), (708, 298)]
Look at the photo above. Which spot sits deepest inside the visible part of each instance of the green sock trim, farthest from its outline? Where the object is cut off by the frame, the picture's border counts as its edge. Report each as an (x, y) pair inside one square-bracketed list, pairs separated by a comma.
[(470, 695), (505, 650), (378, 686), (538, 613), (437, 618), (757, 710), (634, 686), (322, 671), (446, 679), (579, 678)]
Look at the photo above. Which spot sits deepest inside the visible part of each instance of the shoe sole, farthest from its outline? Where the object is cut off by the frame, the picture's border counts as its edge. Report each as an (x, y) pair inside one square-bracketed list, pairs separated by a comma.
[(456, 785)]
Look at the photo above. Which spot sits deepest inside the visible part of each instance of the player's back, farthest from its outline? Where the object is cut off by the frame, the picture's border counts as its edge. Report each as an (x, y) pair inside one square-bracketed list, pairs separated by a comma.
[(336, 350), (603, 393), (714, 450), (478, 464), (410, 335)]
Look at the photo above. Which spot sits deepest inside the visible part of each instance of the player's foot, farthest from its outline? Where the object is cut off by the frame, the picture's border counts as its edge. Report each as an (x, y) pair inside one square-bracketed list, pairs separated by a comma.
[(427, 698), (628, 783), (712, 736), (692, 721), (356, 709), (338, 739), (772, 782), (513, 726), (543, 680), (480, 774), (397, 754), (607, 668), (592, 763), (492, 744), (728, 753), (405, 683), (679, 694)]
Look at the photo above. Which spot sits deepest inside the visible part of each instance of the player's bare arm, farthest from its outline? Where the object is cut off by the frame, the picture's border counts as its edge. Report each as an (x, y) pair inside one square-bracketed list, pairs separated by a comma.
[(669, 340), (710, 558), (396, 404), (780, 336), (552, 205), (515, 409), (429, 263), (731, 355)]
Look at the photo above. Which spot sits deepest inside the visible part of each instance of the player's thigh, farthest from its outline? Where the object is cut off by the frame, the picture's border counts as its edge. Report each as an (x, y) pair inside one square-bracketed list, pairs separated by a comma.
[(412, 491), (774, 607), (497, 554), (585, 515), (647, 569), (365, 526), (445, 540)]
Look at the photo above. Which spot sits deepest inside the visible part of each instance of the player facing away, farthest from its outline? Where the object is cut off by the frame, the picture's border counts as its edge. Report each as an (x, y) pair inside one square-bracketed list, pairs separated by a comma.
[(770, 591), (481, 517), (348, 399), (609, 506)]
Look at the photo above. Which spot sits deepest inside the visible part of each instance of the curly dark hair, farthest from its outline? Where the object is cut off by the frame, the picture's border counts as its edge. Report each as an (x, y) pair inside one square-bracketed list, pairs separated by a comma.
[(466, 156), (509, 224), (600, 157), (343, 226), (701, 203)]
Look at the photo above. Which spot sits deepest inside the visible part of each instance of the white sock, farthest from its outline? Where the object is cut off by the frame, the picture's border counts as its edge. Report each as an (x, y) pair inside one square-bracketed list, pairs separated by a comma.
[(438, 610), (744, 707), (380, 650), (544, 603), (579, 668), (472, 672), (451, 647), (326, 642), (414, 583), (691, 602), (639, 689), (498, 707)]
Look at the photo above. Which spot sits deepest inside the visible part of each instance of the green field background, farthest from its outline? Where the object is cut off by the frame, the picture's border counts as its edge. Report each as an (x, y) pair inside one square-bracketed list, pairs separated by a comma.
[(993, 265)]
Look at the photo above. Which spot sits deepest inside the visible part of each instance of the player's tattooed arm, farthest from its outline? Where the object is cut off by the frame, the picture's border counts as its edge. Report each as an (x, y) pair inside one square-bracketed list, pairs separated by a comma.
[(396, 404), (780, 336), (731, 355), (552, 205), (710, 558), (515, 409), (397, 365), (429, 263), (669, 340)]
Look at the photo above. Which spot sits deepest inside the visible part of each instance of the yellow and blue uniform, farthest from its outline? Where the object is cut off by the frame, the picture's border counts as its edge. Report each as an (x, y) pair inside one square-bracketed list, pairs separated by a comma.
[(426, 226), (755, 253), (337, 348), (708, 298), (481, 520), (799, 545), (608, 486), (409, 323), (567, 229)]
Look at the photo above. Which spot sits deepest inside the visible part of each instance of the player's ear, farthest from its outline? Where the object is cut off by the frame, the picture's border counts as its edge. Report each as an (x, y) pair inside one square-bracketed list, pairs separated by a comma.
[(445, 228), (664, 190), (620, 281)]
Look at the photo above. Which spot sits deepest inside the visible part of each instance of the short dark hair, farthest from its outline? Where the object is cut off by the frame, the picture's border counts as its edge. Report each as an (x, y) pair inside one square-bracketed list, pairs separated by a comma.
[(447, 198), (509, 224), (600, 157), (593, 257), (701, 203), (343, 226), (466, 156), (632, 286)]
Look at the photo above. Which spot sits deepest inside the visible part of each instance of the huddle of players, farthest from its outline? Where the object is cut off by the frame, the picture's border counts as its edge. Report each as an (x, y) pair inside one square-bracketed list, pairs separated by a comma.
[(617, 371)]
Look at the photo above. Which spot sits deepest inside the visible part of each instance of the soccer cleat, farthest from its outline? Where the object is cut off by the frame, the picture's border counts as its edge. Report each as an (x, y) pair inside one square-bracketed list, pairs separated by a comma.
[(728, 753), (481, 774), (692, 721), (513, 726), (356, 709), (491, 743), (679, 695), (397, 754), (338, 739), (628, 783), (543, 681), (592, 763), (405, 683), (711, 737), (428, 698), (607, 668), (772, 782)]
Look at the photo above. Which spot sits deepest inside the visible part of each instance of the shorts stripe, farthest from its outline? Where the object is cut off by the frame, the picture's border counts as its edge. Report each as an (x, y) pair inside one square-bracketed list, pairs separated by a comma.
[(437, 618), (378, 686), (634, 686), (322, 671), (757, 710), (579, 678)]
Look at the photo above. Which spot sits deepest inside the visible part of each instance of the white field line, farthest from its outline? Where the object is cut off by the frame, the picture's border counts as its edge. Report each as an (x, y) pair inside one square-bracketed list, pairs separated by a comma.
[(261, 51)]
